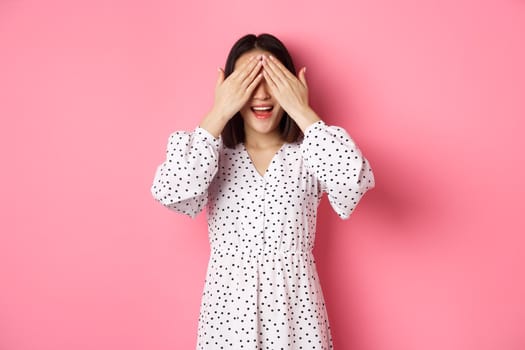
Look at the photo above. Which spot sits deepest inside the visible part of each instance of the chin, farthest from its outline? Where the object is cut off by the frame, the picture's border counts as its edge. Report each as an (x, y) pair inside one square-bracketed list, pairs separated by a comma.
[(262, 123)]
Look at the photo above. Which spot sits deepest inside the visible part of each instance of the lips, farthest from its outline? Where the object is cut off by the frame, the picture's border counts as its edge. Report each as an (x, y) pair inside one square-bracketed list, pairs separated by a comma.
[(262, 111)]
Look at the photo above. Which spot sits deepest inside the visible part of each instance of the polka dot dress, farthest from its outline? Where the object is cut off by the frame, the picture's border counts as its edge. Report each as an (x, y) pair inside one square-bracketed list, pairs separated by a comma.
[(262, 290)]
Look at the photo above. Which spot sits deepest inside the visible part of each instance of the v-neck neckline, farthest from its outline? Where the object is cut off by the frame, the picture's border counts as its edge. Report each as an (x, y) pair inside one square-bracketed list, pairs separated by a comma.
[(252, 164)]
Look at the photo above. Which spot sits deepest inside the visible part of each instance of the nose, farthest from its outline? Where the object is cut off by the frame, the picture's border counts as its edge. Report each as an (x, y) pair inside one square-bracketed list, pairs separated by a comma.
[(261, 92)]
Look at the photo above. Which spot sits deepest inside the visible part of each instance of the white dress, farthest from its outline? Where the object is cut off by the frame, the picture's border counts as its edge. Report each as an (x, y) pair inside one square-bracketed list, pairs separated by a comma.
[(262, 289)]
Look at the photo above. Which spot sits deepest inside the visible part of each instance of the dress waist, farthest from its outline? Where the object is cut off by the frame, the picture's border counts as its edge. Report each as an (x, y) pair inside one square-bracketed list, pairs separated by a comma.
[(258, 251)]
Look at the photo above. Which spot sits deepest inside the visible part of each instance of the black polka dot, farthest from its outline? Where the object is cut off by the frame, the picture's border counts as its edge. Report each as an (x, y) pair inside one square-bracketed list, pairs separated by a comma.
[(261, 288)]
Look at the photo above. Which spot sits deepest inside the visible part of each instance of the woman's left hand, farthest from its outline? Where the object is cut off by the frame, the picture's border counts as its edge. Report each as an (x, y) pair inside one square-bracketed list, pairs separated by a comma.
[(291, 92)]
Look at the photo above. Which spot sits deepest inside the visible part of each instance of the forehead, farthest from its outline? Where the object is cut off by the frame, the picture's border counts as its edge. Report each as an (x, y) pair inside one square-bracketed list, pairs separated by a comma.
[(247, 55)]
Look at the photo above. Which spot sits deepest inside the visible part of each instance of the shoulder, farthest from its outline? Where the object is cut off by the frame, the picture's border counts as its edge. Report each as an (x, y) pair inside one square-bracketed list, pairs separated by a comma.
[(229, 152)]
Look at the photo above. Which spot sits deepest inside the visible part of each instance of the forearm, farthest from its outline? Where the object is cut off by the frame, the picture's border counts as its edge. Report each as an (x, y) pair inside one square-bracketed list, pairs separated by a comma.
[(304, 117), (214, 122)]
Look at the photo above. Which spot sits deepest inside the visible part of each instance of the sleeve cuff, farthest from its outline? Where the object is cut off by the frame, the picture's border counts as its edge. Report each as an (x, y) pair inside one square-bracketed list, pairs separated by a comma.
[(205, 135), (317, 126)]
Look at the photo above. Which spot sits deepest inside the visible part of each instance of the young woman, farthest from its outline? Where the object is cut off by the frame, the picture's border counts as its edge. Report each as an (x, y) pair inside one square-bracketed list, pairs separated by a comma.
[(260, 161)]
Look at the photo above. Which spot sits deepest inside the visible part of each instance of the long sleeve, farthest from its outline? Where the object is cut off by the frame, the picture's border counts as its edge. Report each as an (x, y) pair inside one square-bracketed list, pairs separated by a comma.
[(342, 171), (181, 182)]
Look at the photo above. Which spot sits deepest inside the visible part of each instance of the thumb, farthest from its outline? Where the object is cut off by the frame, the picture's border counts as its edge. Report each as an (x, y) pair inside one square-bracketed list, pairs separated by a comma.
[(220, 78), (302, 76)]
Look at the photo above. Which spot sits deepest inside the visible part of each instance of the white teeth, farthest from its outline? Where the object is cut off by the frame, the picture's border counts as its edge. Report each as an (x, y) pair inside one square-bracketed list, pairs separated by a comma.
[(266, 108)]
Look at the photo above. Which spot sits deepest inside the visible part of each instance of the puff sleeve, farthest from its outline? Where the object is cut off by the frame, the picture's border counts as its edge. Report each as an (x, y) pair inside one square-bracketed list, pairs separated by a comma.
[(338, 165), (181, 182)]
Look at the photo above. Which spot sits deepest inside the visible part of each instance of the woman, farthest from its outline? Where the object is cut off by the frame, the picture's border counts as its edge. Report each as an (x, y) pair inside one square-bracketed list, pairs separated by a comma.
[(260, 161)]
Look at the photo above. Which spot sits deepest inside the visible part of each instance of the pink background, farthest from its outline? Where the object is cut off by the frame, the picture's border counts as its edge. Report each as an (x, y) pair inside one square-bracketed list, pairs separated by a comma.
[(432, 91)]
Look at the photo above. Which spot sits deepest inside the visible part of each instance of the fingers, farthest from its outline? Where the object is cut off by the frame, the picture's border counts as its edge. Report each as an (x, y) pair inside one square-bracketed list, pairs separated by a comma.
[(273, 72), (302, 76), (278, 67), (272, 79), (252, 74), (245, 72), (290, 91), (220, 78), (254, 83), (269, 80), (280, 76)]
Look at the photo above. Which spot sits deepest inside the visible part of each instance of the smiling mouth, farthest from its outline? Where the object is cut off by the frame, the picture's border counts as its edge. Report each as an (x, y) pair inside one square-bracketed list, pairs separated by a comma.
[(262, 112), (260, 109)]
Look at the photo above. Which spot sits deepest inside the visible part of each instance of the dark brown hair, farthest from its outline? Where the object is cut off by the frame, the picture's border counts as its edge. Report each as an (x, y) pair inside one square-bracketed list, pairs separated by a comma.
[(233, 132)]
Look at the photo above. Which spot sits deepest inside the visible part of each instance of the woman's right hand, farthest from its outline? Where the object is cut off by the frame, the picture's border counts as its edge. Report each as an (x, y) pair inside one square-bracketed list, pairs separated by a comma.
[(232, 93)]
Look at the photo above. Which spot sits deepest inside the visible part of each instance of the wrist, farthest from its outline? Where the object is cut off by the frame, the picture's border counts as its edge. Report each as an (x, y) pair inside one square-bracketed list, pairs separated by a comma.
[(219, 115), (214, 122), (305, 117)]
